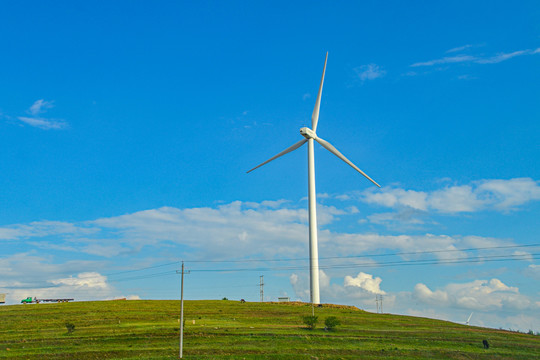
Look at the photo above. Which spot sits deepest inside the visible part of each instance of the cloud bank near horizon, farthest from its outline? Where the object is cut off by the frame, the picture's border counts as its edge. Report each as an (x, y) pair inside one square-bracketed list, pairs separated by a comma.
[(62, 257)]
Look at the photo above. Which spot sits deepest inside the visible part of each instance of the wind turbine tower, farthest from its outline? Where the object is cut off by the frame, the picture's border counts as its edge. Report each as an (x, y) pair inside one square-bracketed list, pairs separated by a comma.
[(309, 136)]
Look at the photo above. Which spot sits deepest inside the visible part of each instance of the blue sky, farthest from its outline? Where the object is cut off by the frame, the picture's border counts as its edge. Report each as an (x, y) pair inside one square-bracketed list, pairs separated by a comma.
[(127, 129)]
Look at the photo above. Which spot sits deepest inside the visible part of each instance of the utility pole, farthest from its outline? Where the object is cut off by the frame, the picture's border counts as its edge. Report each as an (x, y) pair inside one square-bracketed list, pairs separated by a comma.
[(182, 310), (261, 284)]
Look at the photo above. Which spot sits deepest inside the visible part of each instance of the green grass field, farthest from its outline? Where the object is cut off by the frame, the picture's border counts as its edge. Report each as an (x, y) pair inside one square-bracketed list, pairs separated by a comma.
[(231, 330)]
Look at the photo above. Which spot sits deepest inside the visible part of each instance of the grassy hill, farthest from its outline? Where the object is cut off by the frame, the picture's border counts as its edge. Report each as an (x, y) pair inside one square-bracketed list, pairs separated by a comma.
[(232, 330)]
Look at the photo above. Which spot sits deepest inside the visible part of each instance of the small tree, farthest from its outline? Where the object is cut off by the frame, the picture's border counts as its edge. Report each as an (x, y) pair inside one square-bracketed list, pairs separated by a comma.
[(331, 322), (70, 327), (310, 321), (224, 298)]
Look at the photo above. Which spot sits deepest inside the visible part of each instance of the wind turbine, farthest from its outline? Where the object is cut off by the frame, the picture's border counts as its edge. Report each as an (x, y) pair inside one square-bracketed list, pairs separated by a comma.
[(310, 135), (469, 319)]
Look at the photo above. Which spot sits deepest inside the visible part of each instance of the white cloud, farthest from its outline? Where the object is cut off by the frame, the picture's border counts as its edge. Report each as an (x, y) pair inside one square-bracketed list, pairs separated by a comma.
[(274, 229), (394, 197), (480, 295), (365, 282), (501, 195), (369, 72), (300, 287), (216, 231), (455, 199), (89, 280), (474, 59), (278, 230), (27, 274), (459, 48), (516, 320), (533, 271), (424, 294), (361, 243), (39, 106), (41, 229), (508, 194), (352, 210), (264, 230), (494, 303), (106, 250), (42, 123), (324, 279), (446, 60), (45, 245), (360, 289), (274, 204), (503, 56), (523, 255), (404, 218), (9, 233), (29, 268)]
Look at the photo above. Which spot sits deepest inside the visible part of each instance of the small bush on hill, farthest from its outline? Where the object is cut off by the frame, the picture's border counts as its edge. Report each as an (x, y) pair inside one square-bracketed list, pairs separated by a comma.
[(331, 322), (310, 321), (70, 327)]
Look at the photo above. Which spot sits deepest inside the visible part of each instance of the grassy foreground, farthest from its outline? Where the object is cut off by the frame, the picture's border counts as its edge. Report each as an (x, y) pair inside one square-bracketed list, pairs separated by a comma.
[(232, 330)]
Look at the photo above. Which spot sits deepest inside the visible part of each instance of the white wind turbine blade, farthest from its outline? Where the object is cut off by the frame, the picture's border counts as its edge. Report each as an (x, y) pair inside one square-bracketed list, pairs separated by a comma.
[(336, 152), (315, 115), (288, 150)]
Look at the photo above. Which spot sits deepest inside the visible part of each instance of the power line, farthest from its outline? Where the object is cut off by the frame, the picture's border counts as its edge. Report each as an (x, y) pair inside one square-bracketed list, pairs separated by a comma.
[(139, 277), (144, 268), (524, 257), (306, 259), (476, 259), (473, 260), (417, 262), (368, 255)]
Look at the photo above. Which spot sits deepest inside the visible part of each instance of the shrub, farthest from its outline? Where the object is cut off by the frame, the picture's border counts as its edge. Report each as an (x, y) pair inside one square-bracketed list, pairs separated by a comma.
[(331, 322), (224, 298), (310, 321), (70, 327)]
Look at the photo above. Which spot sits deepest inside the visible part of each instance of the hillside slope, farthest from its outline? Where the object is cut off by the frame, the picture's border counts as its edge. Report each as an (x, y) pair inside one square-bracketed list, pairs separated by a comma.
[(233, 330)]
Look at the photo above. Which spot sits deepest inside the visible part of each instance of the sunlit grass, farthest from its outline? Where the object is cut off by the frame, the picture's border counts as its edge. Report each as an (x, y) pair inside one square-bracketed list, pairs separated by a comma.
[(232, 330)]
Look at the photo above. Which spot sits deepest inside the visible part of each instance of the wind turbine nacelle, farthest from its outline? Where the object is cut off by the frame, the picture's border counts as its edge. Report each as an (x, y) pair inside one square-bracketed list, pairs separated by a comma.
[(308, 133)]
